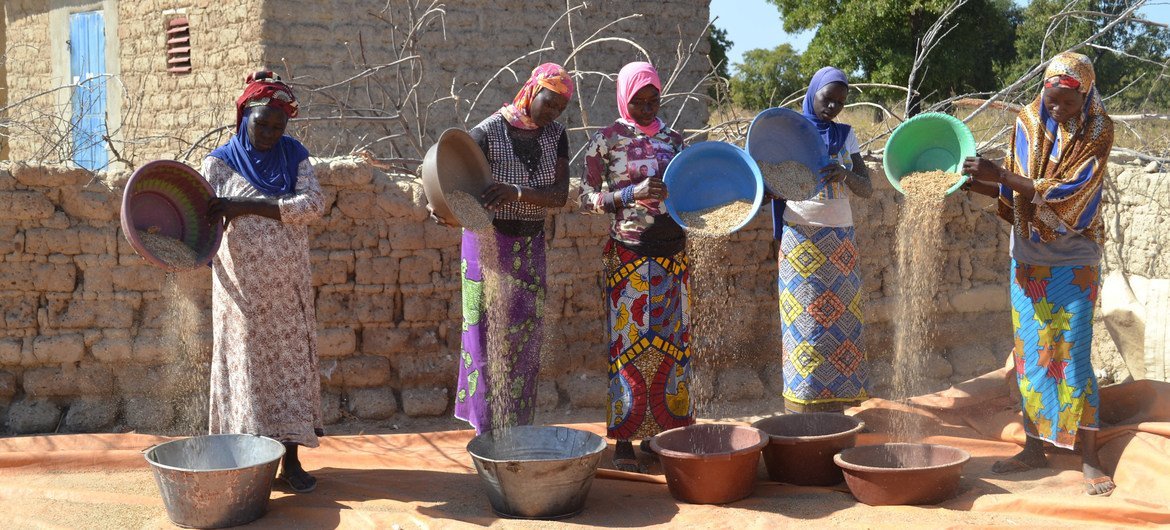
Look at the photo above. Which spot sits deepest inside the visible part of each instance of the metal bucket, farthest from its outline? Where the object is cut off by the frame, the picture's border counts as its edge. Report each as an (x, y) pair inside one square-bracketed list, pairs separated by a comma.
[(217, 480), (535, 472)]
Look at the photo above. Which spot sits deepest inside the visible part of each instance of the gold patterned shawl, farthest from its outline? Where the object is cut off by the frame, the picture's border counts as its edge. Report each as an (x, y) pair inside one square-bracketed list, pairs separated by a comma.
[(1066, 162)]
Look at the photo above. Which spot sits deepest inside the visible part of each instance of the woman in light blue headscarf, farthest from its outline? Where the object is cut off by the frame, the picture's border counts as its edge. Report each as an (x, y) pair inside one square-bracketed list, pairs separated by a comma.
[(825, 366)]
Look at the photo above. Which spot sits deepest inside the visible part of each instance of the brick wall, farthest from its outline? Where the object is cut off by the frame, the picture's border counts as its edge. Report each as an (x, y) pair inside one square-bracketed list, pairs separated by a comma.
[(3, 82), (84, 343), (320, 43)]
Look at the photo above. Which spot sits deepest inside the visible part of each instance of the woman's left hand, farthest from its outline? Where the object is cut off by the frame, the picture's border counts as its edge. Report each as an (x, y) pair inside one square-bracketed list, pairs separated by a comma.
[(499, 194), (982, 169), (834, 173)]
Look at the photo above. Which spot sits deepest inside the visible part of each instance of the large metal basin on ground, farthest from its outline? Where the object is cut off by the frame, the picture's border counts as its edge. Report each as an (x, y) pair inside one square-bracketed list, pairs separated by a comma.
[(536, 472), (217, 480)]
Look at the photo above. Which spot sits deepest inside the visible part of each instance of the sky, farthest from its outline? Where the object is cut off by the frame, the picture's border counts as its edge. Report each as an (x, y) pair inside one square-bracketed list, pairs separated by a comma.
[(752, 24)]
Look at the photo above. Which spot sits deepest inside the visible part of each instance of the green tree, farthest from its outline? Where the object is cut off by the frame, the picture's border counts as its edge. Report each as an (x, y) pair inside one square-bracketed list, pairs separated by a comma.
[(1044, 31), (719, 42), (877, 39), (765, 77)]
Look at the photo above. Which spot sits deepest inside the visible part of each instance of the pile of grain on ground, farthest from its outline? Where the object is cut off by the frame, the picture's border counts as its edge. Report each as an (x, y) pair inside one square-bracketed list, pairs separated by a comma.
[(718, 220), (931, 183), (170, 250), (790, 179), (468, 210), (920, 258)]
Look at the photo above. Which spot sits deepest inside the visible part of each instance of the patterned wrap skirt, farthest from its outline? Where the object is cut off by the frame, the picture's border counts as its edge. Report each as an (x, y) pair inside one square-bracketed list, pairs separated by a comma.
[(649, 343), (825, 366), (501, 331), (1052, 314)]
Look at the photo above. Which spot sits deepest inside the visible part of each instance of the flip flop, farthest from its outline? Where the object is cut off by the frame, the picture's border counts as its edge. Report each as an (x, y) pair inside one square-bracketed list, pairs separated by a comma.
[(629, 465), (1092, 483), (301, 482), (1013, 465)]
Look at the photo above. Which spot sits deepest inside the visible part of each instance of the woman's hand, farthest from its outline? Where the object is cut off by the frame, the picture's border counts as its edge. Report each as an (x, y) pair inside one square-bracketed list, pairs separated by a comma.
[(223, 210), (650, 188), (834, 173), (226, 209), (982, 169), (499, 194)]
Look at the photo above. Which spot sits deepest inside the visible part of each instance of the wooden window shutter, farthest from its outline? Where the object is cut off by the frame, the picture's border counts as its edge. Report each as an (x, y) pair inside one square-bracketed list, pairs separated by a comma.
[(178, 46)]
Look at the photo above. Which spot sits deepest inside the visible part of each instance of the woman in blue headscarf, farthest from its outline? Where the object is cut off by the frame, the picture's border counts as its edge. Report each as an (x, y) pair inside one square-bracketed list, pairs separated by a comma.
[(825, 365), (264, 376)]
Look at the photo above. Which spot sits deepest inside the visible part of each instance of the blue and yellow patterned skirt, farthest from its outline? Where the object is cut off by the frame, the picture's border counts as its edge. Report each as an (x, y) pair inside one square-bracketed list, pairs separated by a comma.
[(825, 365), (1052, 314)]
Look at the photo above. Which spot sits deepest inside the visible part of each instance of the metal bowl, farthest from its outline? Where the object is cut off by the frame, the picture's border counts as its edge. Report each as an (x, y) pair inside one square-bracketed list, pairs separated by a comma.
[(217, 480), (536, 472)]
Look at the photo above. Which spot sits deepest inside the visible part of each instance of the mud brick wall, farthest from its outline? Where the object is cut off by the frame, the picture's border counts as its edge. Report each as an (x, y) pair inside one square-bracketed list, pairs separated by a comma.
[(84, 344), (315, 44)]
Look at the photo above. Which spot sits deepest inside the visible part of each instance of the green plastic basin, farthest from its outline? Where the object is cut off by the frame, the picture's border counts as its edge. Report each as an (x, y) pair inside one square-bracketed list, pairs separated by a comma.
[(927, 142)]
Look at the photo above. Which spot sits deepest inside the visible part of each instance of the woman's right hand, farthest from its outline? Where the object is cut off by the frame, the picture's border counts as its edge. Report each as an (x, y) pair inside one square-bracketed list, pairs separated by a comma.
[(650, 189)]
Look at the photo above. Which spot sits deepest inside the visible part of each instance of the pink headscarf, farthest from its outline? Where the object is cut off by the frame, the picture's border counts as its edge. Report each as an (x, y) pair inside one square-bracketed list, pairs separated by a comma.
[(630, 80), (548, 75)]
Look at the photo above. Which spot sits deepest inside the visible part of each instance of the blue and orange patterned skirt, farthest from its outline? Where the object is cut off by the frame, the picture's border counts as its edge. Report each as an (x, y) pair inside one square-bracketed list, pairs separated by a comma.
[(649, 343), (1052, 314), (825, 366)]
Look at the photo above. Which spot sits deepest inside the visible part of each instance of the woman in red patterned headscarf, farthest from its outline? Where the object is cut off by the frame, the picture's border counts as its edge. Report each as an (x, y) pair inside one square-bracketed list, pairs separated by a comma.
[(264, 376), (1050, 190)]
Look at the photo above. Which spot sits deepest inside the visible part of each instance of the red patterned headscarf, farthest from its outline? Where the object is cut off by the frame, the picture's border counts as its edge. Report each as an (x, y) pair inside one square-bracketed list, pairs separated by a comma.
[(548, 75), (265, 89)]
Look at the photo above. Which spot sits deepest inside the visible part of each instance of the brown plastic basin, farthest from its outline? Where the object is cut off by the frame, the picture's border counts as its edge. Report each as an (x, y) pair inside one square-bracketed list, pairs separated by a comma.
[(902, 473), (802, 446), (710, 463), (455, 162)]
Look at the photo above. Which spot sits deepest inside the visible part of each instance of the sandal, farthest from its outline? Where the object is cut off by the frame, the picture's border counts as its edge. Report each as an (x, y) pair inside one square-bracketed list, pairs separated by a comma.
[(644, 446), (629, 465), (1102, 486), (299, 481)]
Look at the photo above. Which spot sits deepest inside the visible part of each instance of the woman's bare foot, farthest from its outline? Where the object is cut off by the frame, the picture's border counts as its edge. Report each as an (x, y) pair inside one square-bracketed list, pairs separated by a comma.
[(1028, 459)]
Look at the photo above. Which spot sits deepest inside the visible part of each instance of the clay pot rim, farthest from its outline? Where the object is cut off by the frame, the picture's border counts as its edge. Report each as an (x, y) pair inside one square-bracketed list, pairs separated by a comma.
[(790, 440), (727, 455), (840, 460)]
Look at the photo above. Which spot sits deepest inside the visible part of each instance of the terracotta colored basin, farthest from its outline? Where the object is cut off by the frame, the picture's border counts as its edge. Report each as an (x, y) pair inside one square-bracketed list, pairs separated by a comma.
[(710, 463), (902, 473), (803, 445)]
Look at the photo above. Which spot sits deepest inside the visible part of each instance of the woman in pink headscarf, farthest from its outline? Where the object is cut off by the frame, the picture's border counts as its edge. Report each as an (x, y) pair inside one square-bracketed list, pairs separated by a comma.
[(528, 152), (645, 268)]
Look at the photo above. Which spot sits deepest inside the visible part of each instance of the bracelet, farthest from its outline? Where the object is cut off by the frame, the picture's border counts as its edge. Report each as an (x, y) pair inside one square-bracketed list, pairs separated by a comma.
[(627, 195), (519, 192)]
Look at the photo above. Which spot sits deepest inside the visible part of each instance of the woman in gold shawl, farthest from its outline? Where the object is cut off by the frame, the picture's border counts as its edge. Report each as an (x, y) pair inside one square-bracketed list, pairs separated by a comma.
[(1050, 191)]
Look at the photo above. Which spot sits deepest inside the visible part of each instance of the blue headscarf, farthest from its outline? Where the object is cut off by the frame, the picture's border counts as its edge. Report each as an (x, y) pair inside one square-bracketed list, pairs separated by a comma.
[(272, 172), (832, 132)]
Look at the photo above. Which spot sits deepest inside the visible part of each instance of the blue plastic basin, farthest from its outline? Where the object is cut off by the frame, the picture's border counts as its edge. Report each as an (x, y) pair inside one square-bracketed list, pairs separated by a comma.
[(709, 174), (780, 135)]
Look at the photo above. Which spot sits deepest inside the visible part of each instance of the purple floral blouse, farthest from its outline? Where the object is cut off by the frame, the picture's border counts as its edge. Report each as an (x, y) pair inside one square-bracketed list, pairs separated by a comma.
[(619, 156)]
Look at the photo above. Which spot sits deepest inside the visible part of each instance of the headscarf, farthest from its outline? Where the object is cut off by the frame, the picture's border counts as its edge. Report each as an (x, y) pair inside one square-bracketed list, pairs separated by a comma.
[(272, 172), (834, 134), (632, 78), (548, 75), (1067, 163)]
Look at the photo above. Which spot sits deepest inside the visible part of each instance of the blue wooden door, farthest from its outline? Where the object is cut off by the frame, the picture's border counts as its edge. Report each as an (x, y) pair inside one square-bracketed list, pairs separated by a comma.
[(87, 64)]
